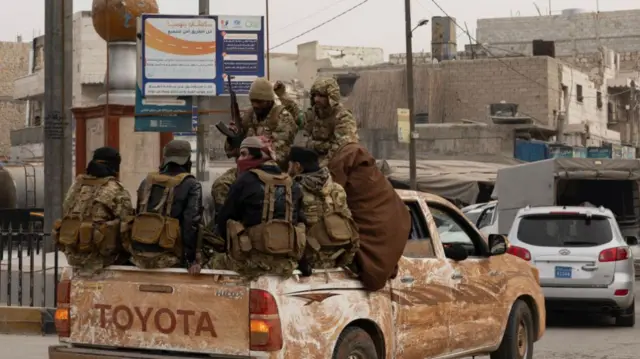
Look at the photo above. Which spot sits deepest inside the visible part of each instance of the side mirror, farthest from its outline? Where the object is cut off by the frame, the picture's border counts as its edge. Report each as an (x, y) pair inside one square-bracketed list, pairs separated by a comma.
[(498, 244), (455, 251), (631, 240)]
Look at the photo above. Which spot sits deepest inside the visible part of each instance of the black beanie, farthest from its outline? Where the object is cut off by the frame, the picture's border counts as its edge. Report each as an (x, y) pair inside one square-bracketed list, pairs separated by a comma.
[(308, 158), (107, 154)]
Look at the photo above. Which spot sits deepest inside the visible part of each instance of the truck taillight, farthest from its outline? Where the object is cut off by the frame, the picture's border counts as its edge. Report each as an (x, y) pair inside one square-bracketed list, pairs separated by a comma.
[(62, 321), (519, 252), (266, 331), (614, 254)]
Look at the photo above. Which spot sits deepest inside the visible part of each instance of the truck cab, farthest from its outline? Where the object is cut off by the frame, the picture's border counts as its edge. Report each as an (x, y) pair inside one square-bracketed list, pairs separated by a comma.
[(475, 302)]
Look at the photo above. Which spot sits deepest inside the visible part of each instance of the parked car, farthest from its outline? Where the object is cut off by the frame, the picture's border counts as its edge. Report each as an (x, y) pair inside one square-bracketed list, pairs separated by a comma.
[(584, 261), (484, 216)]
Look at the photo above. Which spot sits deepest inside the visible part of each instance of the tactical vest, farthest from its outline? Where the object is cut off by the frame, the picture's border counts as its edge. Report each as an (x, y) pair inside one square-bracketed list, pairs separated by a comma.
[(154, 231), (251, 126), (335, 234), (78, 233), (277, 237)]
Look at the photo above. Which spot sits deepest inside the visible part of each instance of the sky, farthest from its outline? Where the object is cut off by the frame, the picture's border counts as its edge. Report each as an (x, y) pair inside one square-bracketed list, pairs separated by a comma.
[(376, 23)]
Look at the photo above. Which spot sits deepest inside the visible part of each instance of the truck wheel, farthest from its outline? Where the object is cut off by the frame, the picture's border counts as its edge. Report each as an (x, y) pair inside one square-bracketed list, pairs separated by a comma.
[(628, 318), (355, 343), (517, 342)]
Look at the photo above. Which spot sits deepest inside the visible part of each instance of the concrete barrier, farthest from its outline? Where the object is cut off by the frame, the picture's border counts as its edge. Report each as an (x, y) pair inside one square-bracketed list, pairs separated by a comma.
[(27, 320)]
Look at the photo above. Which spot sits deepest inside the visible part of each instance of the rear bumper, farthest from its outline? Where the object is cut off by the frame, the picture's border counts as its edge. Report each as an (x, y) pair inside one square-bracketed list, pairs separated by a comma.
[(65, 352), (589, 299)]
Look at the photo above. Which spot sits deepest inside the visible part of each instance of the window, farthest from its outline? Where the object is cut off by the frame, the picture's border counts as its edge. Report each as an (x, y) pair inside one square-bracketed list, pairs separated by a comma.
[(579, 96), (419, 244), (599, 100), (564, 230), (486, 219), (453, 228)]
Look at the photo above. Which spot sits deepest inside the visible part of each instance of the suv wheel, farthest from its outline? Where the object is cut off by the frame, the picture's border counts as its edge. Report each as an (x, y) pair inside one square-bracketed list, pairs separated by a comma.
[(355, 343), (517, 341), (628, 317)]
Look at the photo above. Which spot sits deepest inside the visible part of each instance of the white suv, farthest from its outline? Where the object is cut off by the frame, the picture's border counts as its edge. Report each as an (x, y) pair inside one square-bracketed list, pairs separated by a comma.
[(585, 264)]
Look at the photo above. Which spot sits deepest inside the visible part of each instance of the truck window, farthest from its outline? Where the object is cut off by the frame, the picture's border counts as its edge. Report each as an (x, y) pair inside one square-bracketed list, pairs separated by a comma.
[(419, 244), (453, 228)]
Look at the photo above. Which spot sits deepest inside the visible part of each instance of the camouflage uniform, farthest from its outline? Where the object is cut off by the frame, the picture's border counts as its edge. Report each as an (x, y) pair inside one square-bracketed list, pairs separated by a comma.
[(315, 186), (252, 268), (112, 201), (220, 187), (327, 133), (279, 125)]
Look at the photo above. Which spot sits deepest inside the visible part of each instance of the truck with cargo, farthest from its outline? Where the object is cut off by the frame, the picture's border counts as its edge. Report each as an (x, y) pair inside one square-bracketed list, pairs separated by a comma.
[(610, 183), (475, 302)]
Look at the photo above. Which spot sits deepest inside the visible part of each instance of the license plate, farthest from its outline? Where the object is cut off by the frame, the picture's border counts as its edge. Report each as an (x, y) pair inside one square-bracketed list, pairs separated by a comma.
[(563, 272)]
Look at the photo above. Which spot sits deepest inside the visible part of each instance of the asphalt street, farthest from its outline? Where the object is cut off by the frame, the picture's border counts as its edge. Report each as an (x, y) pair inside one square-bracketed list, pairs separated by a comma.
[(567, 337)]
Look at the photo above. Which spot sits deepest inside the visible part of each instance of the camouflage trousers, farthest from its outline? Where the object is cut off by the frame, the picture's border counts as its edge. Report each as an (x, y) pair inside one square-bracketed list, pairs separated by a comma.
[(93, 262), (255, 266), (164, 260)]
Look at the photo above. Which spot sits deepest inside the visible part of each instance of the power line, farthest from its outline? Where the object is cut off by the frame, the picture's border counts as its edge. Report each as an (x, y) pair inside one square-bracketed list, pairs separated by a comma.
[(321, 24), (312, 14), (504, 62)]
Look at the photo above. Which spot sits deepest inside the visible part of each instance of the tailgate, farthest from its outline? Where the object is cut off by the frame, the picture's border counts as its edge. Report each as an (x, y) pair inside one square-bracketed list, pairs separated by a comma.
[(161, 310)]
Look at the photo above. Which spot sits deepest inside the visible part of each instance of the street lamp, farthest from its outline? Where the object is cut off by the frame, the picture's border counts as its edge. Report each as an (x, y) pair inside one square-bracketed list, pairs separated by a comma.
[(413, 135)]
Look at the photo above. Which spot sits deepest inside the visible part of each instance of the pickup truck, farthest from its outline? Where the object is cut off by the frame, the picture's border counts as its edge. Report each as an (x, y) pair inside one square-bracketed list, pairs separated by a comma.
[(481, 302)]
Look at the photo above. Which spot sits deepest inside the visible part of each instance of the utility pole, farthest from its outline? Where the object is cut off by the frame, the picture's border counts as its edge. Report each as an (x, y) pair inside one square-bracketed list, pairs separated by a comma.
[(201, 104), (58, 53), (634, 114), (410, 101)]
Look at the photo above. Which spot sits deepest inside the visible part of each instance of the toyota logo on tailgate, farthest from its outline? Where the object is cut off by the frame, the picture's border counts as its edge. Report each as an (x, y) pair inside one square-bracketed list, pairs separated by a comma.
[(564, 252)]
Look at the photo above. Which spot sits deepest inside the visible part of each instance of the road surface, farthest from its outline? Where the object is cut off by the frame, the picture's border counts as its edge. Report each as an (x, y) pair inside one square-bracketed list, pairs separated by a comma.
[(573, 338)]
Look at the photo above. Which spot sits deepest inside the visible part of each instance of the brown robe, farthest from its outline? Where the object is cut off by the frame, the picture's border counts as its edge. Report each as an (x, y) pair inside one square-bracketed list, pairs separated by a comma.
[(383, 219)]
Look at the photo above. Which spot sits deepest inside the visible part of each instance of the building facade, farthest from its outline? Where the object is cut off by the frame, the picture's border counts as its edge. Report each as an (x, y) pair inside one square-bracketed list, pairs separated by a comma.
[(461, 91), (14, 63), (574, 32), (89, 63)]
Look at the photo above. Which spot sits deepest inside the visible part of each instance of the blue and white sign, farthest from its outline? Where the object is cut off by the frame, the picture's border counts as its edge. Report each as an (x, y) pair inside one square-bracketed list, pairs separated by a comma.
[(186, 55), (163, 114)]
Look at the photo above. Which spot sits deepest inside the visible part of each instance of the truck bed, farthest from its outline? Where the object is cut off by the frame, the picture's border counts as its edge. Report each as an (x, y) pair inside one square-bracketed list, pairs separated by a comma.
[(161, 310)]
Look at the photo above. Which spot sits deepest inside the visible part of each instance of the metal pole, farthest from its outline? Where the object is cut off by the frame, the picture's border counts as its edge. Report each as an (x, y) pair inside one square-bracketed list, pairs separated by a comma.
[(202, 104), (266, 21), (410, 101), (57, 103)]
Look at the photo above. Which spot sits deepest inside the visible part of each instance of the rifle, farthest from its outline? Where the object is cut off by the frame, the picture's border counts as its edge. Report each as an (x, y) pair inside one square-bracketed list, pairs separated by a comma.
[(233, 138), (235, 110)]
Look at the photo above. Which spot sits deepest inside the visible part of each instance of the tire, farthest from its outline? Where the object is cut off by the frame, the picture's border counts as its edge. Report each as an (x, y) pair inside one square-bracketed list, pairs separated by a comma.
[(517, 341), (355, 343), (628, 318)]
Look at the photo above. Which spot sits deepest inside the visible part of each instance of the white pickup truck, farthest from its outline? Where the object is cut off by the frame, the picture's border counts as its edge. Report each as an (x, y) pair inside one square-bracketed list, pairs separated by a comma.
[(436, 307)]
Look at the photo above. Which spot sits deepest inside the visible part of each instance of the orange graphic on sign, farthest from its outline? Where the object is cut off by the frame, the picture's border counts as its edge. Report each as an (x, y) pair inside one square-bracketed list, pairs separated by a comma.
[(160, 41)]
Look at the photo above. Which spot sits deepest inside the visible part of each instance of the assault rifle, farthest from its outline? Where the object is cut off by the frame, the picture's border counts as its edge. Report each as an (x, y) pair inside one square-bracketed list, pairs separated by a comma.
[(234, 139)]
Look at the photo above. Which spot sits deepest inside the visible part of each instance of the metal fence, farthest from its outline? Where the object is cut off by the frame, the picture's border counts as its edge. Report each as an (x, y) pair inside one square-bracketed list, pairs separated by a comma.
[(29, 276)]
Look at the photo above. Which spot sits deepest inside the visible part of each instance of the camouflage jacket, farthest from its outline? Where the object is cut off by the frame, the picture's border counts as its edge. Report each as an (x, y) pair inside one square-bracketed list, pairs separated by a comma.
[(326, 135), (112, 200), (279, 126), (220, 187), (315, 186)]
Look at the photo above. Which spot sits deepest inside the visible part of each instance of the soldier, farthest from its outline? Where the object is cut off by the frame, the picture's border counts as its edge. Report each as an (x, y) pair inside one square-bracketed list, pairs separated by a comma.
[(169, 214), (261, 220), (93, 210), (220, 187), (332, 236), (269, 120), (328, 123)]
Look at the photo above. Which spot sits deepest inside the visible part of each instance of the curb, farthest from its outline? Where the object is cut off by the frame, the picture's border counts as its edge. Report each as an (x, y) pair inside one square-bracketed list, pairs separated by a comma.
[(27, 320)]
